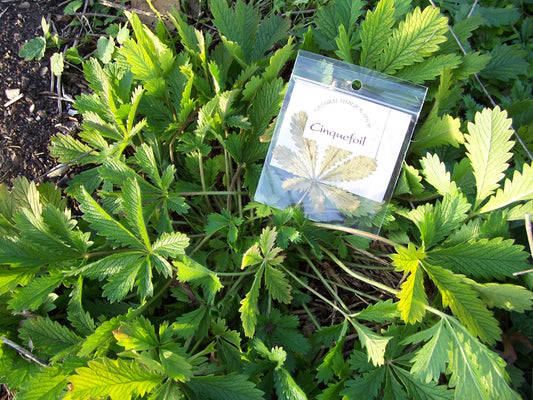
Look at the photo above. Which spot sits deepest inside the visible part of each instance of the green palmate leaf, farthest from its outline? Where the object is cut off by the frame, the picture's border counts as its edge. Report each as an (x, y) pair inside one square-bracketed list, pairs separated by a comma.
[(436, 174), (174, 361), (50, 383), (134, 211), (393, 386), (80, 319), (518, 212), (271, 30), (417, 37), (476, 372), (191, 323), (26, 195), (412, 295), (494, 258), (285, 332), (141, 62), (507, 62), (57, 64), (344, 46), (170, 244), (267, 241), (105, 224), (117, 172), (146, 159), (235, 50), (488, 144), (375, 31), (429, 361), (464, 303), (286, 387), (7, 208), (471, 64), (519, 188), (121, 283), (373, 343), (138, 334), (252, 256), (91, 120), (438, 131), (327, 22), (192, 39), (49, 337), (413, 298), (216, 222), (348, 12), (95, 75), (278, 60), (10, 278), (228, 387), (102, 337), (438, 221), (420, 390), (109, 265), (31, 296), (496, 16), (333, 364), (18, 252), (333, 391), (54, 231), (266, 105), (343, 13), (407, 259), (192, 271), (277, 285), (410, 181), (249, 309), (105, 48), (33, 49), (431, 68), (134, 101), (463, 29), (118, 379), (239, 25), (382, 311), (369, 383), (506, 296)]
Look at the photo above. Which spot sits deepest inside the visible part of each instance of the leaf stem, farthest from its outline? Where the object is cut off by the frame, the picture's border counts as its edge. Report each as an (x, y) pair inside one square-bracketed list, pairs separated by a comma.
[(202, 180), (139, 310), (232, 185), (210, 193), (244, 273), (357, 276), (324, 281), (106, 252), (317, 294), (355, 291), (311, 316), (200, 244), (354, 231)]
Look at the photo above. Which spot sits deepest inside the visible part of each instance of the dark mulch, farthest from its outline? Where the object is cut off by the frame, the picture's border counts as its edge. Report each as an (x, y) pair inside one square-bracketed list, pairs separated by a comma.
[(27, 125)]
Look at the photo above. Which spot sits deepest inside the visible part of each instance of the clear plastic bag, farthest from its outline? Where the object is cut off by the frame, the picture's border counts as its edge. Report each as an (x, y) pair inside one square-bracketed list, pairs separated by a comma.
[(339, 142)]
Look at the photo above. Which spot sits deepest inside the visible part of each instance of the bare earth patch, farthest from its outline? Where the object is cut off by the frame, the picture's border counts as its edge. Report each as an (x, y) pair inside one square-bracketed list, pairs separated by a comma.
[(29, 113)]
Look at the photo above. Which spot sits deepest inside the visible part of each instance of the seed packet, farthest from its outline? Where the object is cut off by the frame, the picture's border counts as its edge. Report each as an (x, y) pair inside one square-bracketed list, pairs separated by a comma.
[(339, 142)]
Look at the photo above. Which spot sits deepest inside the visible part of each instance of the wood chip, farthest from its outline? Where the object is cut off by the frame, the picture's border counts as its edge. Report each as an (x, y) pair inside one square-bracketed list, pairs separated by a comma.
[(13, 100), (11, 93)]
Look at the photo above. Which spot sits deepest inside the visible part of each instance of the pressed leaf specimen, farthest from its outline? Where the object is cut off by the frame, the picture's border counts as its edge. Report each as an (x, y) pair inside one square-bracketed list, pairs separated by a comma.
[(318, 178)]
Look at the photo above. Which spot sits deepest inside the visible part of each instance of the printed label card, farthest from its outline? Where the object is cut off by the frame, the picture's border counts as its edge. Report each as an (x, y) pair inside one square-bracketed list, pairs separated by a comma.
[(339, 142)]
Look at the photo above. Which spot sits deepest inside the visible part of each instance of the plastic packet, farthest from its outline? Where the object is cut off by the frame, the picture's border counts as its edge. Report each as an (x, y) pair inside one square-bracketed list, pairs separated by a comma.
[(339, 142)]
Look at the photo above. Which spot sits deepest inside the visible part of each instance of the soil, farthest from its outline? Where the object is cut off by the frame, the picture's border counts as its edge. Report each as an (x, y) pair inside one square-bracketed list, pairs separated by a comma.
[(27, 125)]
